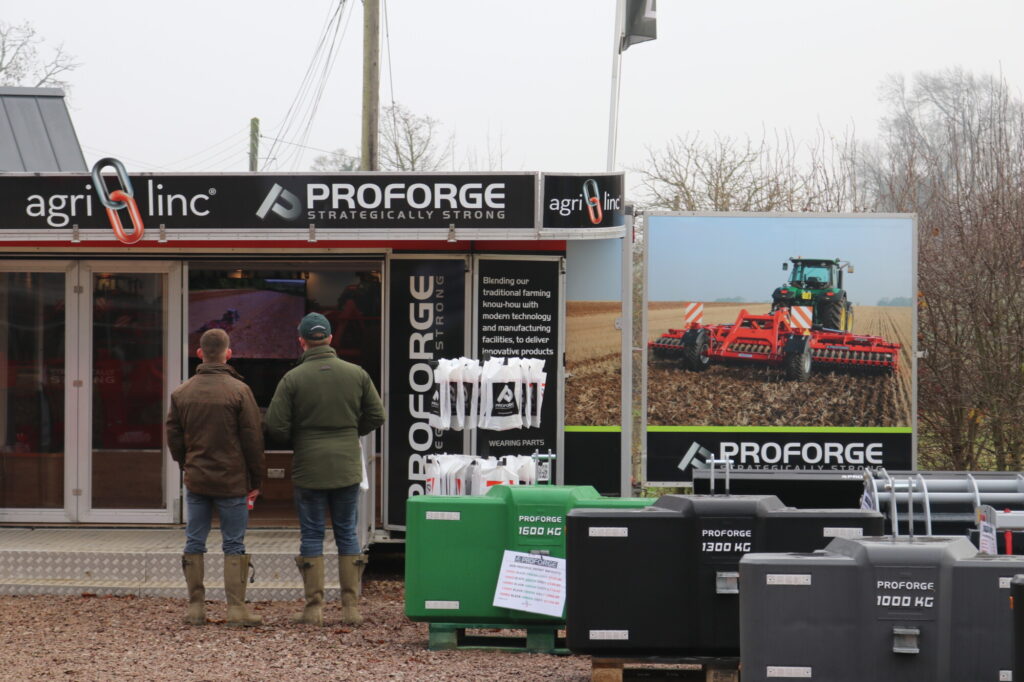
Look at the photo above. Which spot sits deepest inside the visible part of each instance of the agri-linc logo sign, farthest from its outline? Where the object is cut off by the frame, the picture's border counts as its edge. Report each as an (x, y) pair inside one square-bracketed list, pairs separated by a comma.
[(214, 202), (583, 201)]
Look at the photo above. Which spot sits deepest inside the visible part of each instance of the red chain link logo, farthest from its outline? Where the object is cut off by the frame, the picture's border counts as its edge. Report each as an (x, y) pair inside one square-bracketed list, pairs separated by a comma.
[(117, 200)]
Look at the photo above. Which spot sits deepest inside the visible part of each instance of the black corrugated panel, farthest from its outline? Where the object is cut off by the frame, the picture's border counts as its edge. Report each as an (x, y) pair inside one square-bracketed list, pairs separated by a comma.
[(36, 134)]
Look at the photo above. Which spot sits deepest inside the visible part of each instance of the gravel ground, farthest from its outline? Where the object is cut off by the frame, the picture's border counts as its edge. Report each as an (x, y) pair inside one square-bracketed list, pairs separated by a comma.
[(126, 638)]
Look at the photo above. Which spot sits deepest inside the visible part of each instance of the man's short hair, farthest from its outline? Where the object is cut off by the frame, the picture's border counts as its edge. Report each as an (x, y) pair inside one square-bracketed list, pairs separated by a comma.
[(214, 344), (317, 342)]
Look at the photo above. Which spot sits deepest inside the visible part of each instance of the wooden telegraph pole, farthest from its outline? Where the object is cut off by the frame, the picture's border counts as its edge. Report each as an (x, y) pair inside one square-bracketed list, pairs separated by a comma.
[(254, 144), (368, 158)]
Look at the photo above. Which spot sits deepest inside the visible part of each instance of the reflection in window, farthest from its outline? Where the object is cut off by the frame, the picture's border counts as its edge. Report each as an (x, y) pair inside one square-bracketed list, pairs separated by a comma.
[(129, 332), (260, 305), (32, 390)]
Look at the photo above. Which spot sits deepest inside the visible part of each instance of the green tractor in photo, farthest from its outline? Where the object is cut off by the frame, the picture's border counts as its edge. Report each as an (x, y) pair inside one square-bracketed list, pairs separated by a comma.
[(817, 282)]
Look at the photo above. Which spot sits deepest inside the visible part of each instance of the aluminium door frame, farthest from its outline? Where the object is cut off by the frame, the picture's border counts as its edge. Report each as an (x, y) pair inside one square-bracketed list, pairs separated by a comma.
[(172, 296)]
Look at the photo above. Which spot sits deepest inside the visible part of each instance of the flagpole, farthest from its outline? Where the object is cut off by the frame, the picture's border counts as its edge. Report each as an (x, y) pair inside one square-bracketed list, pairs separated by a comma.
[(613, 114)]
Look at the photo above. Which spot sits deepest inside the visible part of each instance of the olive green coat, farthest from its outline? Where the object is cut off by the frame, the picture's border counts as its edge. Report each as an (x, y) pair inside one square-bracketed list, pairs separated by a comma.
[(320, 409)]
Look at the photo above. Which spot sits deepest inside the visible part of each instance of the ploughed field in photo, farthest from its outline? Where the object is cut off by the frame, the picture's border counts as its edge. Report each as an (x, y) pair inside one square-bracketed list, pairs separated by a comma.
[(261, 323), (728, 395)]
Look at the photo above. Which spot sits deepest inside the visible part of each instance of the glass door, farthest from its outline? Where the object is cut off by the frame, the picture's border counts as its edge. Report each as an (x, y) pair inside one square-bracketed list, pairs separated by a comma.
[(34, 329), (129, 312)]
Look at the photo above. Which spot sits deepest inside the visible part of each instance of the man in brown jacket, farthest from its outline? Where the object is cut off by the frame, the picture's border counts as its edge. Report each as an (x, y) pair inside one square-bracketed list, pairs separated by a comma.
[(215, 434)]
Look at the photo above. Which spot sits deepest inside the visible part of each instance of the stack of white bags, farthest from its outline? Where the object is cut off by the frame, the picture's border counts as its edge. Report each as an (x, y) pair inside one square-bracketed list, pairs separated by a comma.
[(468, 475), (503, 394)]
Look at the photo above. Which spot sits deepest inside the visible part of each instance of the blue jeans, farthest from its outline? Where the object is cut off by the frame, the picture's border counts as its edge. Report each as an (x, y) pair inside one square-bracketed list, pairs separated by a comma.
[(343, 505), (234, 517)]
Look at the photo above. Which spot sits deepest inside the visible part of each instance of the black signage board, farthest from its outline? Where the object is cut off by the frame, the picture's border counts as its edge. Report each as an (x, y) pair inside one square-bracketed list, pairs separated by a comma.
[(427, 309), (583, 201), (257, 201), (592, 458), (518, 315), (672, 454)]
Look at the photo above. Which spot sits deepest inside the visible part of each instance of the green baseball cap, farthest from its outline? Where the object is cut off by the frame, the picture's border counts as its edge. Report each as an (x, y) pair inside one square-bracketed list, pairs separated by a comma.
[(314, 327)]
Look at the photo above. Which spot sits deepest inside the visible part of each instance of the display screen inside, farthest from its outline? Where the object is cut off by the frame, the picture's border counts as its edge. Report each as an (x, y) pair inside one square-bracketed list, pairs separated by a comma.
[(259, 314)]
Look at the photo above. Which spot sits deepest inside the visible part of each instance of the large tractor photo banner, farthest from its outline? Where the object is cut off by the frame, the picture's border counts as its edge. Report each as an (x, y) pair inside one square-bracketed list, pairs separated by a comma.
[(779, 342)]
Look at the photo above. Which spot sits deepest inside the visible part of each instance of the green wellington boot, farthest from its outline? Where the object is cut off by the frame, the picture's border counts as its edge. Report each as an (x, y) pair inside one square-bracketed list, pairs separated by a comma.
[(312, 570), (236, 570), (192, 567), (350, 572)]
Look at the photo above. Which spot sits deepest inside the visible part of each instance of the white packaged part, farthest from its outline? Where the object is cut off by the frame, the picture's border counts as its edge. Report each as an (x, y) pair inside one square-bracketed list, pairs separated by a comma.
[(500, 395), (469, 393), (449, 478), (457, 413), (538, 378), (440, 399), (485, 473), (523, 466)]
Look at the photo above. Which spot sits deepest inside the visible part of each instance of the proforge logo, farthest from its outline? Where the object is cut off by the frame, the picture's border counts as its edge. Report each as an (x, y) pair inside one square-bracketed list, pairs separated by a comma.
[(504, 400), (590, 200), (797, 455), (791, 455), (426, 201), (426, 332)]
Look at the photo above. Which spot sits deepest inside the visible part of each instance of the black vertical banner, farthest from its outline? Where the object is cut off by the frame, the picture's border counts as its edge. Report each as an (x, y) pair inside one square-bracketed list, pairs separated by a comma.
[(518, 314), (427, 322)]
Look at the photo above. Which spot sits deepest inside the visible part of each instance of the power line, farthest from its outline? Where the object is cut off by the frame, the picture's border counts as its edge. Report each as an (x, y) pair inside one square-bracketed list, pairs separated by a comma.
[(213, 159), (145, 164), (288, 120), (296, 144), (204, 150), (387, 47), (302, 111), (332, 56)]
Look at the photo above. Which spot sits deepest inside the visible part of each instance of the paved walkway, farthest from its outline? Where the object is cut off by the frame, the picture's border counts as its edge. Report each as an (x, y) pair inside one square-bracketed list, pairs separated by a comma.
[(143, 562)]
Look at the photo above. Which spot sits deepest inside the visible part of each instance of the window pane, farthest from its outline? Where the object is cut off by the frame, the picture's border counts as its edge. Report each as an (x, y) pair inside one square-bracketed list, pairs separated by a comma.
[(32, 390), (259, 305), (129, 328)]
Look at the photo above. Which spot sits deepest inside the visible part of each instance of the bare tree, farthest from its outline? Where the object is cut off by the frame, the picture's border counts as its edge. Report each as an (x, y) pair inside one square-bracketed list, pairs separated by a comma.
[(952, 151), (410, 142), (22, 64), (338, 160), (493, 158), (693, 174)]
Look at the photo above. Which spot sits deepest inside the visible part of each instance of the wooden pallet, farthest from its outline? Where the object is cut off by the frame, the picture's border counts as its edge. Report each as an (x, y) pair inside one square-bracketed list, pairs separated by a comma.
[(511, 638), (714, 669)]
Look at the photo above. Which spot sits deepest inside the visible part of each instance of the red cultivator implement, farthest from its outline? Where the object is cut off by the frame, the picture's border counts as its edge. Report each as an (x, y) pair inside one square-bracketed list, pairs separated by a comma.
[(774, 340)]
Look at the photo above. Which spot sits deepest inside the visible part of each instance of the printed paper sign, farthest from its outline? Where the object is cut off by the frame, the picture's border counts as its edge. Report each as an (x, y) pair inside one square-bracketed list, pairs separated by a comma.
[(531, 582), (987, 538)]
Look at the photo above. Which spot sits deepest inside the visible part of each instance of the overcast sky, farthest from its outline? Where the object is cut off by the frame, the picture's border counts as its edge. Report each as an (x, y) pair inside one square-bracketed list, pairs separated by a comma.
[(520, 85)]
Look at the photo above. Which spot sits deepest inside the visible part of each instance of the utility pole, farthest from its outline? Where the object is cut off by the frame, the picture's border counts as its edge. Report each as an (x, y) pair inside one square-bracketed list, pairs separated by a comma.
[(254, 144), (368, 158), (613, 114)]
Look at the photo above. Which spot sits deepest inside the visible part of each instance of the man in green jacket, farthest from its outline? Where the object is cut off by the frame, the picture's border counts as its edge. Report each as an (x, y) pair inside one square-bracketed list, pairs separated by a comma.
[(215, 436), (320, 409)]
